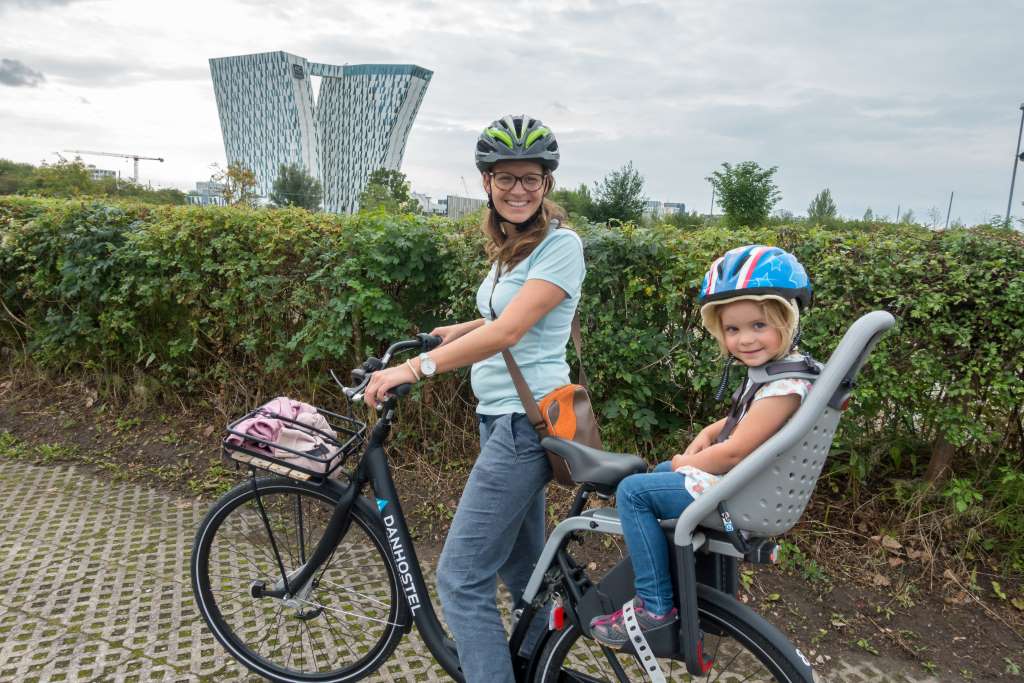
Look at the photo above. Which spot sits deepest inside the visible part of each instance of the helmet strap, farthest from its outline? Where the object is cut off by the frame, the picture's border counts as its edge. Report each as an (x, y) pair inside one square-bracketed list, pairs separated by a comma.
[(796, 338), (724, 382)]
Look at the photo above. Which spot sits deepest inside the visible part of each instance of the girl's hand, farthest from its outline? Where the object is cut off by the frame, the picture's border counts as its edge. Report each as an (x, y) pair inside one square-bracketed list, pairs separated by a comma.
[(678, 460), (697, 445), (384, 380)]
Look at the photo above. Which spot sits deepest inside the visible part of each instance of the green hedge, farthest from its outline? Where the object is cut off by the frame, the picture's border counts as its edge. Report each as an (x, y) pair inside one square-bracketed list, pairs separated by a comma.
[(232, 304)]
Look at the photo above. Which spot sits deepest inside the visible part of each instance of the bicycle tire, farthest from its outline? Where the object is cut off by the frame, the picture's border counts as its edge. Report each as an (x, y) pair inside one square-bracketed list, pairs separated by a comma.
[(733, 632), (354, 608)]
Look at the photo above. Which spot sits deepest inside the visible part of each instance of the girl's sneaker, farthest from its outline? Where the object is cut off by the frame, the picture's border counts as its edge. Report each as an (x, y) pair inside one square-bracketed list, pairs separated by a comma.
[(610, 630)]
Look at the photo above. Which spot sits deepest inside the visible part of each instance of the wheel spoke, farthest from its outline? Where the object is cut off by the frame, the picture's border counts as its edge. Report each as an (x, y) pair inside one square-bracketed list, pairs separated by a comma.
[(347, 613), (352, 591)]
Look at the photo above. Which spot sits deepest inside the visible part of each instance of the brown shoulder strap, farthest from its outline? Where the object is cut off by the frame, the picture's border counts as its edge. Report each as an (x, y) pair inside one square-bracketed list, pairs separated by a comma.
[(525, 395)]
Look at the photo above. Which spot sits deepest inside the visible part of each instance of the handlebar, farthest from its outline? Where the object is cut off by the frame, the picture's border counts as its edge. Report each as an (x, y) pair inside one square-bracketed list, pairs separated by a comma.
[(423, 342)]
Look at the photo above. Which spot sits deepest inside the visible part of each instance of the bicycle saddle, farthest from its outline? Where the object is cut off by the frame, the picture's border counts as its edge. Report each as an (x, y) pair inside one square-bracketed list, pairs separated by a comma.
[(591, 466)]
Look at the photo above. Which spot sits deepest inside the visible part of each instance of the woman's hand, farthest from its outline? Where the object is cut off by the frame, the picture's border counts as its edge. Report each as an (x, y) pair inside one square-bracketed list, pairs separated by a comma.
[(384, 380), (449, 333)]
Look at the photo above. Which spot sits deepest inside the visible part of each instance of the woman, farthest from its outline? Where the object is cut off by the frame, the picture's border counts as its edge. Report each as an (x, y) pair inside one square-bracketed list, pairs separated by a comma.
[(534, 287)]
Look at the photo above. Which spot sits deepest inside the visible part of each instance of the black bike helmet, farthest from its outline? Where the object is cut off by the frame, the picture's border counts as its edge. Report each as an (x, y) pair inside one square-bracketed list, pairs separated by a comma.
[(516, 138)]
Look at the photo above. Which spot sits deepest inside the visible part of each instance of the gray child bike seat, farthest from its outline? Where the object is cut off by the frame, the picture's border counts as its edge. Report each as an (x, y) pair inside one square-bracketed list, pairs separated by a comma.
[(767, 492)]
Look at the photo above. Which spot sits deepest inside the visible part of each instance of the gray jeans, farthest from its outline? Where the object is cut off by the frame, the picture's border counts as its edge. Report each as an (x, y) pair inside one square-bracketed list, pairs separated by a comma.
[(498, 531)]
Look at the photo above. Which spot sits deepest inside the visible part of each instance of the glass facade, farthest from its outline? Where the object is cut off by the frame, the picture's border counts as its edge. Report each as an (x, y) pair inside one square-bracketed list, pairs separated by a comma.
[(359, 121)]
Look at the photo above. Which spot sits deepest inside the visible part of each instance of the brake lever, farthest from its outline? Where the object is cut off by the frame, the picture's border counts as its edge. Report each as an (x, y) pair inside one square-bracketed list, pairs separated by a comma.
[(337, 381)]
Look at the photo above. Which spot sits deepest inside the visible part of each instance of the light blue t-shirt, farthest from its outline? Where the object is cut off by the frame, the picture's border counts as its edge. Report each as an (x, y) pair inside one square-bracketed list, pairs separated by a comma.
[(541, 351)]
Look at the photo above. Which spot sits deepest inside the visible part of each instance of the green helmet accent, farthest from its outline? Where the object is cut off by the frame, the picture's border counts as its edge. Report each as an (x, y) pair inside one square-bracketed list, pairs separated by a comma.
[(516, 138)]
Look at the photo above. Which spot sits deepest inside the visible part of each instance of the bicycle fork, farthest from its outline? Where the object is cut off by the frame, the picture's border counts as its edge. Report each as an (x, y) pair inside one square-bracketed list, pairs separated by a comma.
[(293, 589)]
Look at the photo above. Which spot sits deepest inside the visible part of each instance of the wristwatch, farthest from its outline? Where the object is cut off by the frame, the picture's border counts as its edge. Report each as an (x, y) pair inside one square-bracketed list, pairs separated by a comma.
[(427, 365)]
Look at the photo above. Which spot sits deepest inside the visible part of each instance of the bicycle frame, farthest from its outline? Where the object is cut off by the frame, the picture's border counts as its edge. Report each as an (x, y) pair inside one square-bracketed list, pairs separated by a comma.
[(374, 469)]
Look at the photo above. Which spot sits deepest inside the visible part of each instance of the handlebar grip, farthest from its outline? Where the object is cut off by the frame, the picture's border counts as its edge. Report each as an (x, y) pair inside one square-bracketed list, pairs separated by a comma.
[(429, 341)]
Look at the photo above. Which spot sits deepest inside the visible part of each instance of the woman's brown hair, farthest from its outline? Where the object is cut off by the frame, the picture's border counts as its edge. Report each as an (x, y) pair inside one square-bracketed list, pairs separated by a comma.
[(509, 246)]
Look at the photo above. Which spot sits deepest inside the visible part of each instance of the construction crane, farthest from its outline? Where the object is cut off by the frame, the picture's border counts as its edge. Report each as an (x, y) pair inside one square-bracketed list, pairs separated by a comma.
[(133, 157)]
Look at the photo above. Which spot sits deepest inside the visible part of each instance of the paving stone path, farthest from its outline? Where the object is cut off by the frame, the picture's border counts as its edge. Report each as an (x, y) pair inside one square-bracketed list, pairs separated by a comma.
[(94, 587)]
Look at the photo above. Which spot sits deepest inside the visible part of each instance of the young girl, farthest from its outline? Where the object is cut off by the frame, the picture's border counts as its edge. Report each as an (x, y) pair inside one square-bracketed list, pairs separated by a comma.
[(751, 305)]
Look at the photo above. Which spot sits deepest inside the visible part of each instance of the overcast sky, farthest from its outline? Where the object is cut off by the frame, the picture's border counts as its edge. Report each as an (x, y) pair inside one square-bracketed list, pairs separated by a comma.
[(886, 103)]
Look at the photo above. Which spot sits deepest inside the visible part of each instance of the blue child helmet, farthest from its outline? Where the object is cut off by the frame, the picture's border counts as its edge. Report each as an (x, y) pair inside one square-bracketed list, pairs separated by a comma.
[(755, 272)]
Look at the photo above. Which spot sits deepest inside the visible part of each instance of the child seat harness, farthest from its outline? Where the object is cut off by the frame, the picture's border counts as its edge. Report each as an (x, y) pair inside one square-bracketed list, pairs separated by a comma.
[(806, 368)]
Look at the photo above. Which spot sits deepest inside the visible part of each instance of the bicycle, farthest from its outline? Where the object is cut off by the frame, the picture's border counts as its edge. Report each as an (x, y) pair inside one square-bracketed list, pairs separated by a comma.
[(303, 578)]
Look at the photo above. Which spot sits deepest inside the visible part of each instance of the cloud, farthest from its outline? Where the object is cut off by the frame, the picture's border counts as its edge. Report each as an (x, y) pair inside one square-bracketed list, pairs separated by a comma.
[(18, 75), (107, 72), (33, 4)]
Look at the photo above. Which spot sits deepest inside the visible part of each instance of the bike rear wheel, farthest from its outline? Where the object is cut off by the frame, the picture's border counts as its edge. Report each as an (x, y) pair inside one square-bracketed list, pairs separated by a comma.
[(341, 627), (743, 646)]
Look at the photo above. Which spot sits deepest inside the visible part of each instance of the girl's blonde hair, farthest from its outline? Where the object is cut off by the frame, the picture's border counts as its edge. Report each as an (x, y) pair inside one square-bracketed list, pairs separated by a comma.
[(781, 316), (509, 245)]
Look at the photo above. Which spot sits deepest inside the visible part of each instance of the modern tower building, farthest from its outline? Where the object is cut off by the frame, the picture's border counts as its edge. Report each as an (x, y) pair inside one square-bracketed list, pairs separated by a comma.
[(356, 121)]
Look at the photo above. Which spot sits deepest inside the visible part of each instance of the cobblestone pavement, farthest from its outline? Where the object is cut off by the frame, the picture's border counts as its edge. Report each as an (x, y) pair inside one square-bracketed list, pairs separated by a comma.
[(96, 588)]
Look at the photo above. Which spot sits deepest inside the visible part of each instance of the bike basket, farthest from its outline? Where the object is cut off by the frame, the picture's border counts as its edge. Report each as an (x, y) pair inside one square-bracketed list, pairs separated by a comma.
[(300, 451)]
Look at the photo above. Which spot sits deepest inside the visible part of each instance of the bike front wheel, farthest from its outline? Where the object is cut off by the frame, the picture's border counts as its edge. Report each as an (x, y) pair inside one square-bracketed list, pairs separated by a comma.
[(340, 627), (742, 645)]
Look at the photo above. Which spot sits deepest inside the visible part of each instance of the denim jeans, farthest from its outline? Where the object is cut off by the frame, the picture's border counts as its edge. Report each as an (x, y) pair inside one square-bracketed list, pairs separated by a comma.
[(498, 531), (642, 500)]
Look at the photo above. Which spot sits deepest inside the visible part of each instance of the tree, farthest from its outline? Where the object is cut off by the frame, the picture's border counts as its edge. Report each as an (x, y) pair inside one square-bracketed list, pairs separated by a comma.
[(907, 217), (578, 202), (239, 184), (869, 215), (74, 178), (295, 187), (685, 220), (745, 192), (620, 195), (387, 190), (822, 208), (14, 176), (63, 179), (934, 217)]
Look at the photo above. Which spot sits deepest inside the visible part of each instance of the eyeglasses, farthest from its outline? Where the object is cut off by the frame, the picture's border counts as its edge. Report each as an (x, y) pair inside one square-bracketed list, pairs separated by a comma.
[(531, 182)]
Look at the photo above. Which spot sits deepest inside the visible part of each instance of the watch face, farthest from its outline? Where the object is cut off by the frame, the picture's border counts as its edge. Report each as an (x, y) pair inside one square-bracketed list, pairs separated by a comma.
[(427, 365)]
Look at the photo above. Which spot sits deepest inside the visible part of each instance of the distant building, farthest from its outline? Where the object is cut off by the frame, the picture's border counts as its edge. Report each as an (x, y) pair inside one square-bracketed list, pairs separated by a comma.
[(357, 122), (207, 193), (429, 205), (423, 200), (653, 207), (100, 173), (459, 207), (657, 209)]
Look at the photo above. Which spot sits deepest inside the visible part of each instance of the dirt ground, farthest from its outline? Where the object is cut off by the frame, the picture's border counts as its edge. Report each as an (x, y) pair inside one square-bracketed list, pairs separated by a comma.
[(837, 591)]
